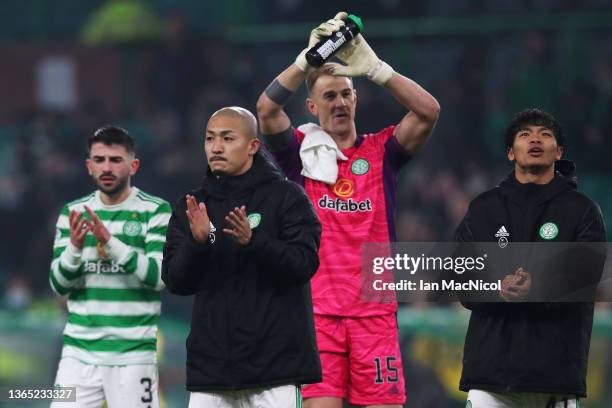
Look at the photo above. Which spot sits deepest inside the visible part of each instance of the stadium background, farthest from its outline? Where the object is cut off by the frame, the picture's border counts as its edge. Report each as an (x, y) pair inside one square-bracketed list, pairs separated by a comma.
[(160, 68)]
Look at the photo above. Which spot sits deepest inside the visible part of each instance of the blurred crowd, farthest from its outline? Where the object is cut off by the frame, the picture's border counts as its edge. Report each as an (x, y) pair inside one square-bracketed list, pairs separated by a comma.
[(167, 88)]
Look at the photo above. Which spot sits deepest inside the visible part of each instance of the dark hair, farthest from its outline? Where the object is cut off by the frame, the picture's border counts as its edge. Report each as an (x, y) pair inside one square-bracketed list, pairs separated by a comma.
[(534, 117), (110, 135)]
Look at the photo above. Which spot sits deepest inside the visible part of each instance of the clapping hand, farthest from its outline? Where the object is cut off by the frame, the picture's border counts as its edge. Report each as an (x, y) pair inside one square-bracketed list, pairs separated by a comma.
[(515, 287), (79, 227), (199, 223), (240, 229)]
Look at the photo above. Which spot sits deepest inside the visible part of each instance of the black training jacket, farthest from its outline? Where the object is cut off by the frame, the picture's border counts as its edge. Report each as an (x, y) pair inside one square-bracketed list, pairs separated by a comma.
[(530, 347), (252, 322)]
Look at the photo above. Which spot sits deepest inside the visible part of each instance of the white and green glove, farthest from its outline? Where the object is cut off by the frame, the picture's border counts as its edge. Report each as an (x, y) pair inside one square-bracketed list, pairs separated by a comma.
[(361, 60), (324, 30)]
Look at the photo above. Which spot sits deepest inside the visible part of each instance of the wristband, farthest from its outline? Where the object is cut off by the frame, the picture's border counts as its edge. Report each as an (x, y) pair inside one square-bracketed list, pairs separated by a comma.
[(278, 93)]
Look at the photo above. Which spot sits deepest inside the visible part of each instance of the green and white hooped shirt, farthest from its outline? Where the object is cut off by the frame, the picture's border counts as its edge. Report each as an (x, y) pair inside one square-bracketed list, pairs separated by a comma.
[(114, 303)]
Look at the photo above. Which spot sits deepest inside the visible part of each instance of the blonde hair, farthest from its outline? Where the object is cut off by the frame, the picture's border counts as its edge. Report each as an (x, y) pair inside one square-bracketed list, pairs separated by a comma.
[(313, 76)]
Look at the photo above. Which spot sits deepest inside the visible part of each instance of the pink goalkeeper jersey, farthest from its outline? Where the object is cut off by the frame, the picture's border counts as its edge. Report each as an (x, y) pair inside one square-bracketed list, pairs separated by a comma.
[(359, 208)]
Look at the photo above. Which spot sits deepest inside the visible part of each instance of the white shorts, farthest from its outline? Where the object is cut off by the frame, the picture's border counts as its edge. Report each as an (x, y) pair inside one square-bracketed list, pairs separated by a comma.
[(284, 396), (121, 386), (487, 399)]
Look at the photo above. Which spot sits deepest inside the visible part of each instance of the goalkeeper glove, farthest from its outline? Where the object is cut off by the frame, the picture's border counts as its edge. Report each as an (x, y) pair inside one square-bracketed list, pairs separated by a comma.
[(324, 30), (361, 60)]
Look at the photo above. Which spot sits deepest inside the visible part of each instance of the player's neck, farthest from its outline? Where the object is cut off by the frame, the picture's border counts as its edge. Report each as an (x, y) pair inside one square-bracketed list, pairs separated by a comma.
[(345, 140), (534, 175), (116, 198)]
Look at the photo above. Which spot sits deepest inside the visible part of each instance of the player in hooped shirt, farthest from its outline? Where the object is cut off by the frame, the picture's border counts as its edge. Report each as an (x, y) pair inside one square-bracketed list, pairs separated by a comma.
[(358, 341)]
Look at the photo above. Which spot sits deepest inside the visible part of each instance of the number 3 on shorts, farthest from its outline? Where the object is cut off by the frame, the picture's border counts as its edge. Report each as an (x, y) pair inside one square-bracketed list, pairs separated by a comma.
[(148, 395), (391, 371)]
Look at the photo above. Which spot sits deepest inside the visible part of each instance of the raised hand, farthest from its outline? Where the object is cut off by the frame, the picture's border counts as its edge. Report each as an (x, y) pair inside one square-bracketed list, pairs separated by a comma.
[(79, 227), (240, 229), (361, 60), (199, 223), (325, 29), (98, 229)]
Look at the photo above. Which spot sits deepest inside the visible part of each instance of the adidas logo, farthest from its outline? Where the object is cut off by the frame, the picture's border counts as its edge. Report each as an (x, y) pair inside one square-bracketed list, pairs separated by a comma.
[(502, 232), (211, 233)]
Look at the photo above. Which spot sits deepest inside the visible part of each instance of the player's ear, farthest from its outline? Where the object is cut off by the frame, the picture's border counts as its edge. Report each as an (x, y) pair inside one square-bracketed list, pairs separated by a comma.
[(312, 107), (510, 153), (134, 166), (88, 165), (254, 146), (559, 152)]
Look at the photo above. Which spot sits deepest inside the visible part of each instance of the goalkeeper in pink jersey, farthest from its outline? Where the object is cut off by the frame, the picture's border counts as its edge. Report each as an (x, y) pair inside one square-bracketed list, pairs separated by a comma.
[(351, 179)]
